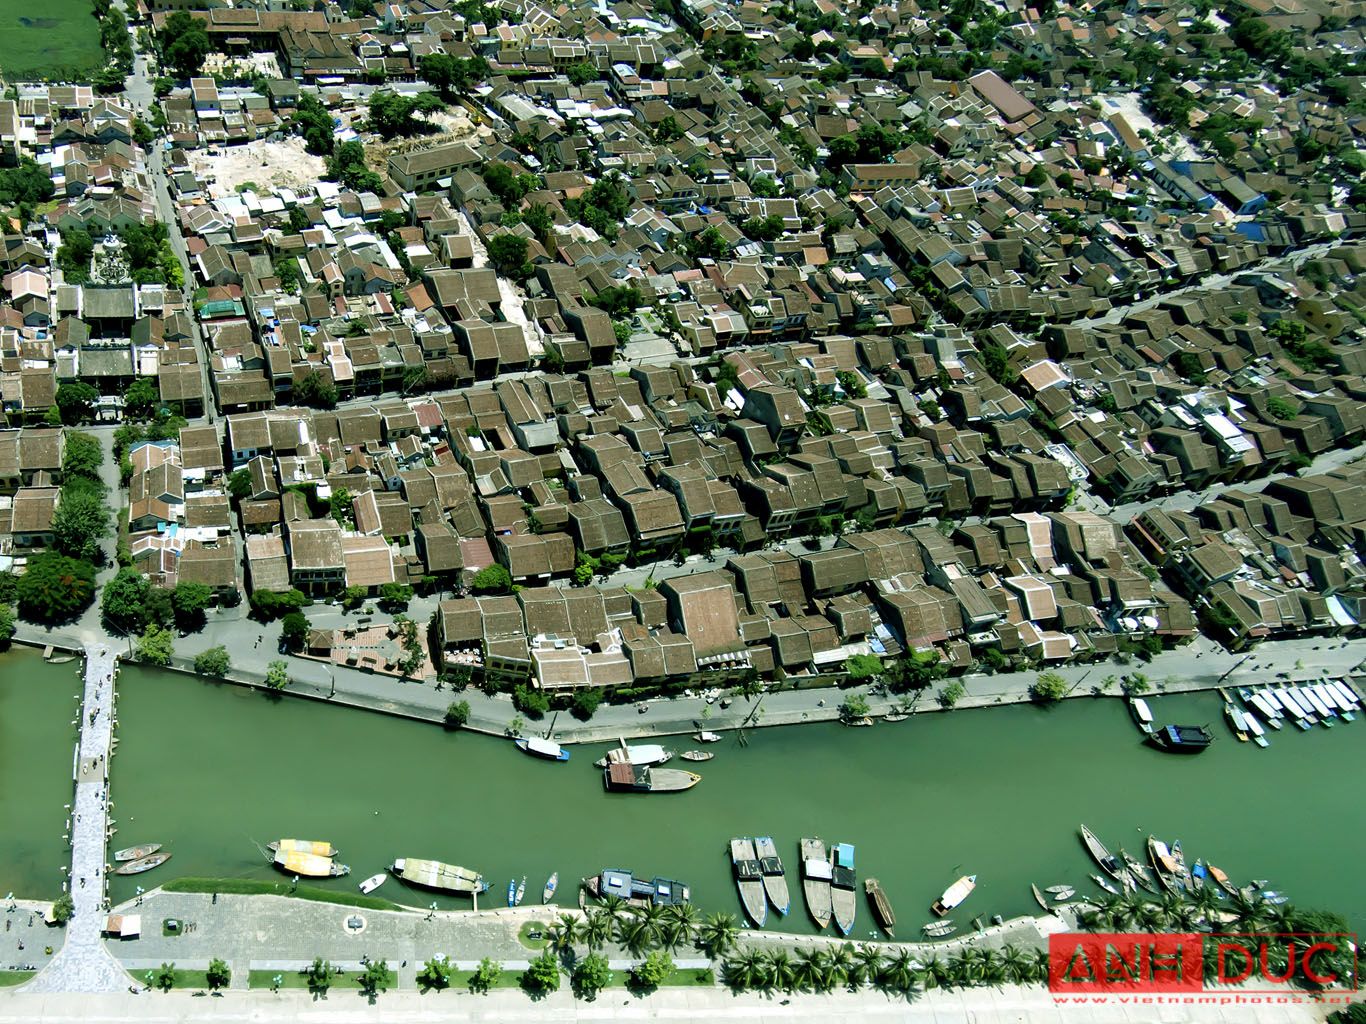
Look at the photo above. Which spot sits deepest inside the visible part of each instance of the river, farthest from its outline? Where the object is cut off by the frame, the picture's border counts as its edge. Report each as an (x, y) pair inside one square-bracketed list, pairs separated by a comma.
[(214, 770)]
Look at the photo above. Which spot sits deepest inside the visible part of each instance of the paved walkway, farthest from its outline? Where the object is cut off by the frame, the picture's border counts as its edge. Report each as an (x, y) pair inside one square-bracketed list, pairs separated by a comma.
[(84, 964)]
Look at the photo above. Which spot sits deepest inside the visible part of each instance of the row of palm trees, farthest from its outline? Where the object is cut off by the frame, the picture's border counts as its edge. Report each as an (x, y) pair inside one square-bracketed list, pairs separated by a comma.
[(639, 930), (823, 968)]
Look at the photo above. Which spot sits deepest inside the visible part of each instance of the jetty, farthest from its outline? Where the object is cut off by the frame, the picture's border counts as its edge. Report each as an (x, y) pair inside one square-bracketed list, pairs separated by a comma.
[(83, 964)]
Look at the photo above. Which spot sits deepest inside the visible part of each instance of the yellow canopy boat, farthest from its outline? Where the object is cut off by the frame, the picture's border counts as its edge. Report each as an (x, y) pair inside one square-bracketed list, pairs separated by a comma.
[(317, 847), (309, 865)]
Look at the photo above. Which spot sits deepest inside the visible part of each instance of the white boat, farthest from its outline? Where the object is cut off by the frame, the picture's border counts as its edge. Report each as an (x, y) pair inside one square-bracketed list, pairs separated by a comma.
[(1263, 707), (1327, 697), (1270, 698), (1345, 692), (1138, 707), (708, 737), (1254, 727), (1066, 894), (954, 895), (546, 749), (373, 882), (1105, 884), (639, 754), (1320, 707)]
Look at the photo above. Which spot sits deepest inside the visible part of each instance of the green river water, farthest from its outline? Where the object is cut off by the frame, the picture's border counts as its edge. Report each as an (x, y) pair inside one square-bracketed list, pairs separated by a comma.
[(212, 770)]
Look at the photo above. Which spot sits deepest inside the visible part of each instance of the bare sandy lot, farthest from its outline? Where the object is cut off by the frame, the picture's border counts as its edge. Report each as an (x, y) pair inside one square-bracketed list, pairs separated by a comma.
[(264, 163)]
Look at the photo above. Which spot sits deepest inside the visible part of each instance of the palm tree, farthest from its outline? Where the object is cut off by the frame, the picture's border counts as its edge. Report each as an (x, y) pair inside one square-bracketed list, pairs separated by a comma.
[(842, 961), (935, 973), (781, 972), (636, 934), (716, 936), (564, 933), (687, 917), (1127, 910), (826, 972), (1248, 910), (807, 967), (899, 972), (867, 966), (613, 906), (1016, 965), (1041, 965), (1204, 902), (597, 929), (967, 966), (744, 969)]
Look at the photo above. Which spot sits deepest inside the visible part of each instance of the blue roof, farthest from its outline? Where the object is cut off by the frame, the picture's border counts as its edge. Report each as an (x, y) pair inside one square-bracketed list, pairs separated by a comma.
[(844, 854)]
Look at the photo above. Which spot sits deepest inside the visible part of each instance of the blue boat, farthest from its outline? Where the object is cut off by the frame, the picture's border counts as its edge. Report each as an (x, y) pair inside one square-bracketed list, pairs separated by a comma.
[(512, 893), (537, 747), (842, 886)]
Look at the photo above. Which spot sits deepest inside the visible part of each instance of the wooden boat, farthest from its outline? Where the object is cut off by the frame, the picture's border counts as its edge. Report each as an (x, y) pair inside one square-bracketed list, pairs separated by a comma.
[(1181, 868), (697, 755), (1181, 739), (1142, 714), (749, 879), (896, 716), (954, 895), (816, 876), (1198, 874), (1221, 879), (842, 886), (1039, 898), (862, 722), (1105, 884), (546, 749), (1053, 890), (1102, 856), (1236, 722), (881, 905), (136, 852), (137, 867), (512, 892), (1138, 872), (437, 875), (639, 754), (521, 891), (373, 882), (938, 929), (317, 847), (635, 778), (659, 892), (309, 865), (551, 884), (1165, 866), (1064, 895), (775, 878), (707, 737)]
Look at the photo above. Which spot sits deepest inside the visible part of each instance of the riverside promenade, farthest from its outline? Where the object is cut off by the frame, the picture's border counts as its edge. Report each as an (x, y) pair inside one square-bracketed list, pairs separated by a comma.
[(83, 964)]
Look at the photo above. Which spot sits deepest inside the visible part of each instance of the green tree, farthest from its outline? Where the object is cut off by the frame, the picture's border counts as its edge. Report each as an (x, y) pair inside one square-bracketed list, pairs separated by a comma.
[(653, 971), (214, 662), (82, 455), (239, 484), (718, 934), (124, 601), (854, 706), (6, 626), (507, 253), (55, 588), (862, 667), (63, 908), (79, 522), (184, 43), (952, 694), (1281, 408), (457, 714), (435, 974), (165, 977), (219, 974), (287, 271), (294, 630), (76, 401), (156, 645), (582, 73), (190, 600), (375, 979), (277, 675), (1049, 688), (591, 975), (394, 597), (494, 579), (391, 115), (1136, 685), (140, 398), (542, 974), (485, 976), (585, 704), (318, 975), (313, 122), (315, 390)]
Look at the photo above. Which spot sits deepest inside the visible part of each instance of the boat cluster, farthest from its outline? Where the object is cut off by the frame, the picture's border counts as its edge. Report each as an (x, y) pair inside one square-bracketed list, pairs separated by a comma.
[(632, 768), (1327, 702), (136, 859)]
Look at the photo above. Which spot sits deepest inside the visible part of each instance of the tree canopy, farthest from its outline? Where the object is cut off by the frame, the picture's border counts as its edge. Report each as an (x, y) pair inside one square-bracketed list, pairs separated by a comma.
[(82, 455), (184, 43), (80, 521), (55, 588)]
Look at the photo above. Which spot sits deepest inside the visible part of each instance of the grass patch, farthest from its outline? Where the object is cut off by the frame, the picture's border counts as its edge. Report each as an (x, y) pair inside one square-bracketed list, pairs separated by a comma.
[(691, 977), (59, 41), (349, 982), (184, 980), (524, 934), (460, 980), (252, 887), (15, 977)]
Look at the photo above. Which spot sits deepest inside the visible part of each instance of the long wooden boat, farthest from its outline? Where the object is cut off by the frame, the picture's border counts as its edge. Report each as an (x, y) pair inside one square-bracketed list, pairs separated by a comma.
[(954, 895), (697, 755), (1106, 884), (547, 750), (309, 865), (749, 879), (1181, 739), (551, 884), (657, 891), (896, 716), (1236, 722), (1180, 859), (1138, 872), (881, 906), (1039, 898), (137, 867), (938, 929), (635, 778), (1221, 879), (512, 892), (816, 876), (638, 754), (775, 878), (1164, 866), (1102, 856), (136, 852), (438, 875), (316, 847), (842, 886)]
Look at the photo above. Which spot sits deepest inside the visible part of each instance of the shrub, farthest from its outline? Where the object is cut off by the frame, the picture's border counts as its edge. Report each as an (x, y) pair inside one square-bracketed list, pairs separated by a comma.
[(542, 974), (213, 662)]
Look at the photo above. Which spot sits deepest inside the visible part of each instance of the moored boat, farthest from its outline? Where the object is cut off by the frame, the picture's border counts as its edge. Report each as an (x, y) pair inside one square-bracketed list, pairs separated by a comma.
[(697, 755), (816, 875), (1039, 898), (1054, 890), (1105, 884), (1236, 722), (1101, 855), (896, 716), (634, 778), (141, 864), (954, 895), (775, 878), (521, 892), (861, 722), (373, 882), (938, 929), (136, 852), (660, 892), (1164, 865), (546, 749), (309, 865), (1198, 874), (512, 892), (881, 906), (1142, 714), (707, 737), (1181, 739), (317, 847), (637, 754), (438, 875), (749, 879), (1138, 873), (551, 884), (1221, 879), (842, 886), (1180, 858)]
